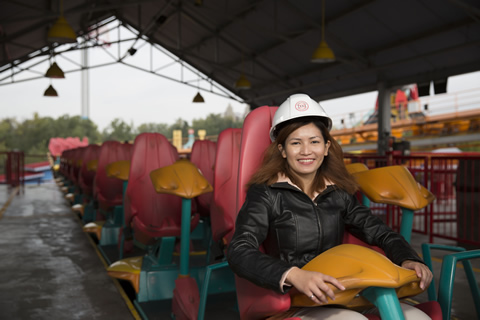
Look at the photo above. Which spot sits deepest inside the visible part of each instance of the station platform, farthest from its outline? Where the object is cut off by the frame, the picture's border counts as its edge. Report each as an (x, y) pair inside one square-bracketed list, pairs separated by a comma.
[(50, 269)]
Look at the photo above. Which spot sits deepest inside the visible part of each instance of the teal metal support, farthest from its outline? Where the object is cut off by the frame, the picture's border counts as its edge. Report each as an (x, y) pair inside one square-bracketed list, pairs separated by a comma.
[(427, 258), (89, 213), (447, 277), (121, 247), (111, 228), (365, 200), (407, 224), (386, 300), (204, 292), (185, 236)]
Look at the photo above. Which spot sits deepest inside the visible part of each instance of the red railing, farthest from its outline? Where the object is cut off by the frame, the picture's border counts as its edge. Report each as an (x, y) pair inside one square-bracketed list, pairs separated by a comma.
[(455, 182), (13, 168)]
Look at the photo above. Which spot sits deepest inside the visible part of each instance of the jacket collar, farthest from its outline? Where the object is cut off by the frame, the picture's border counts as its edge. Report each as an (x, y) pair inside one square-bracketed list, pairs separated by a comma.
[(282, 179)]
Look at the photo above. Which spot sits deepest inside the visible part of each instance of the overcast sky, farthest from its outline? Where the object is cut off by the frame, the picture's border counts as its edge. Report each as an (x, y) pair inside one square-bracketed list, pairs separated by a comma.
[(138, 97)]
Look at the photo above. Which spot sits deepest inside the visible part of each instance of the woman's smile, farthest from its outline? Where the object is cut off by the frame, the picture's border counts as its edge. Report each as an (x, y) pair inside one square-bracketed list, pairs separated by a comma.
[(305, 150)]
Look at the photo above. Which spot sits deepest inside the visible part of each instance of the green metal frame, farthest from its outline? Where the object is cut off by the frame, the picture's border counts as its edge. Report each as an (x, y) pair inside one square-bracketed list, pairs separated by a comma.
[(386, 300), (407, 224), (225, 278), (447, 275), (159, 272)]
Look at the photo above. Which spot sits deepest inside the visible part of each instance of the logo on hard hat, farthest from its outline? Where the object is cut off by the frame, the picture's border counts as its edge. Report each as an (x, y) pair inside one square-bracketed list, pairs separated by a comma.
[(301, 106)]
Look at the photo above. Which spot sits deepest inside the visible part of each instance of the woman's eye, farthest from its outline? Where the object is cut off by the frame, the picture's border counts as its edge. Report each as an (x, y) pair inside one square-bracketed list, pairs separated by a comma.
[(315, 141)]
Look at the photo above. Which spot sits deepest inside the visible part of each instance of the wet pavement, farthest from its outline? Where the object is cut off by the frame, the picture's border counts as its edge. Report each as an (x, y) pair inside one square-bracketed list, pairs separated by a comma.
[(48, 267)]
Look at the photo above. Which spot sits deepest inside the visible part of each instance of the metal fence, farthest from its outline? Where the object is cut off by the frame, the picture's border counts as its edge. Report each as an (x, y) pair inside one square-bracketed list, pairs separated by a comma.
[(454, 179), (13, 168)]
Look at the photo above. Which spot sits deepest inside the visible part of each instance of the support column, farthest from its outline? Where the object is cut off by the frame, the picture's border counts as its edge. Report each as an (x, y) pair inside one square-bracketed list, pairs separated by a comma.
[(85, 84), (384, 114)]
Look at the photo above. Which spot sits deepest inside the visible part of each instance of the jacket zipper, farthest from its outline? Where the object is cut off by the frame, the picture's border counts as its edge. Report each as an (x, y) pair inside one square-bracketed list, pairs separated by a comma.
[(315, 206)]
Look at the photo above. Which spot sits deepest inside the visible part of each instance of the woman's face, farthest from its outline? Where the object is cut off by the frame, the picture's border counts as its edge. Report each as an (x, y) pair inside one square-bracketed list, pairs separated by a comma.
[(305, 150)]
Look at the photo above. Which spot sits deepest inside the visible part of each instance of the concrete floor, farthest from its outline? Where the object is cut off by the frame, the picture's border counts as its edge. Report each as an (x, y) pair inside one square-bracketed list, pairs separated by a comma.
[(49, 268)]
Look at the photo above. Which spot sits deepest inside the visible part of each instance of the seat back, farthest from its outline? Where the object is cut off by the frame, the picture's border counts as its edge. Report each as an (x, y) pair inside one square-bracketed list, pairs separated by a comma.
[(64, 163), (255, 139), (223, 211), (85, 176), (74, 164), (109, 191), (203, 156), (153, 214), (255, 302)]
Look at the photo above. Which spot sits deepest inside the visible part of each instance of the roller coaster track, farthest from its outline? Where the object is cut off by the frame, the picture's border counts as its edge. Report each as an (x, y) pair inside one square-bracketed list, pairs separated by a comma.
[(420, 130)]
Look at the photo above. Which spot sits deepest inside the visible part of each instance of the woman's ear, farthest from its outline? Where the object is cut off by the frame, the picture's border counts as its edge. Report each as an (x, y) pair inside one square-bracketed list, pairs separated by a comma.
[(282, 151), (327, 147)]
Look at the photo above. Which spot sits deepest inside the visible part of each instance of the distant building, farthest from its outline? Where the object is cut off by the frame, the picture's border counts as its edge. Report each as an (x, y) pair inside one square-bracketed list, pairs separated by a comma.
[(229, 113)]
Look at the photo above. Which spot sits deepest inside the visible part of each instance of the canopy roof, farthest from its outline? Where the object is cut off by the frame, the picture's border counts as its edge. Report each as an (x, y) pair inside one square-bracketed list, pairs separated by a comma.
[(271, 42)]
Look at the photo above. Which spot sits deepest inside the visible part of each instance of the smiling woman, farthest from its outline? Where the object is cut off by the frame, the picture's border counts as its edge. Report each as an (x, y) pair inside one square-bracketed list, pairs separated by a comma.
[(298, 205)]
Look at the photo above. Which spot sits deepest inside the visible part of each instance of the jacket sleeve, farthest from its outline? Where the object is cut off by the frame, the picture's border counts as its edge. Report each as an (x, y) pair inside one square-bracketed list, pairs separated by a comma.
[(251, 228), (363, 224)]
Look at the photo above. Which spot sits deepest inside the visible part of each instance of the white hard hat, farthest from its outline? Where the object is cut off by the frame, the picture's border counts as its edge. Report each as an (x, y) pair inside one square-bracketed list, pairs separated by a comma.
[(298, 106)]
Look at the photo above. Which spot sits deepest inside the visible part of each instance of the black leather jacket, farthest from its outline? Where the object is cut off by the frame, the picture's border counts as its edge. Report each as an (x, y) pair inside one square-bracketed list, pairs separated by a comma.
[(294, 229)]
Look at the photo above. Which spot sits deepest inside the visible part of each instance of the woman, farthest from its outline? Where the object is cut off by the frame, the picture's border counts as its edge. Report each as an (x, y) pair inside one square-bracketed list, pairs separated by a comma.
[(298, 205)]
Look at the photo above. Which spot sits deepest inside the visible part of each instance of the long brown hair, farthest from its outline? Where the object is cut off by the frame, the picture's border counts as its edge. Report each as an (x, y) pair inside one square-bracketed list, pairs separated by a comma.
[(332, 169)]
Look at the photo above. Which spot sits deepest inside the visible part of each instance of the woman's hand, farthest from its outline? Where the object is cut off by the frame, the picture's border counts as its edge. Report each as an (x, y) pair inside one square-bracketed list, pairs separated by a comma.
[(423, 272), (313, 284)]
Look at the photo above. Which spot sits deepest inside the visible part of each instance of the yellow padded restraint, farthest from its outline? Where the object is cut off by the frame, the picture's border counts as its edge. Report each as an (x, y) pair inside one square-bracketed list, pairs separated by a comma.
[(356, 167), (358, 267), (394, 185), (182, 179), (118, 169), (92, 165), (127, 269)]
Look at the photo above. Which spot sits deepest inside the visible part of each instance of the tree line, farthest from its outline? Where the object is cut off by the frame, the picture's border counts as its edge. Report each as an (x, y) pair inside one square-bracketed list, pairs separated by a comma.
[(33, 135)]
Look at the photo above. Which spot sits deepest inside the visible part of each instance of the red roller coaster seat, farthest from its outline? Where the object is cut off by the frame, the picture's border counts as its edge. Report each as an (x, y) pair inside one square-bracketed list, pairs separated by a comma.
[(74, 164), (255, 302), (109, 191), (86, 177), (203, 156), (153, 215), (223, 212)]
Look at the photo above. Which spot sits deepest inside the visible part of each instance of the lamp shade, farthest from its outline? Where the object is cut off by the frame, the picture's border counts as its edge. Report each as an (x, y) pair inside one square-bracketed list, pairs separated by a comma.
[(50, 92), (55, 72), (198, 98), (243, 83), (61, 32), (323, 53)]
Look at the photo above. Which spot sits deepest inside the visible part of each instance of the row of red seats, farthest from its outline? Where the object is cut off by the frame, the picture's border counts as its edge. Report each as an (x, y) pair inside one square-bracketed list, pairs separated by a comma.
[(228, 166)]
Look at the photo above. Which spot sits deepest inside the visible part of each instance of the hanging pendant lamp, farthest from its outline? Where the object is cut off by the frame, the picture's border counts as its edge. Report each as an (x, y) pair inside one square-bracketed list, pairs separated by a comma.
[(323, 53), (55, 72), (243, 83), (61, 32), (50, 92), (198, 98)]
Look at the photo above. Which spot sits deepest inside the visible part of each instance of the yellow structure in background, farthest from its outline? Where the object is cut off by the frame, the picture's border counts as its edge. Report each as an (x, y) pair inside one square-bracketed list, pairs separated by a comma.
[(177, 139), (202, 134), (185, 148)]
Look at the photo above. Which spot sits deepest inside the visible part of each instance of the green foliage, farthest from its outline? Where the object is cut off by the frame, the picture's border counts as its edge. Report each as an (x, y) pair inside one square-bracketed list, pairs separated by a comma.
[(215, 123), (33, 135), (119, 130), (8, 128), (155, 127)]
